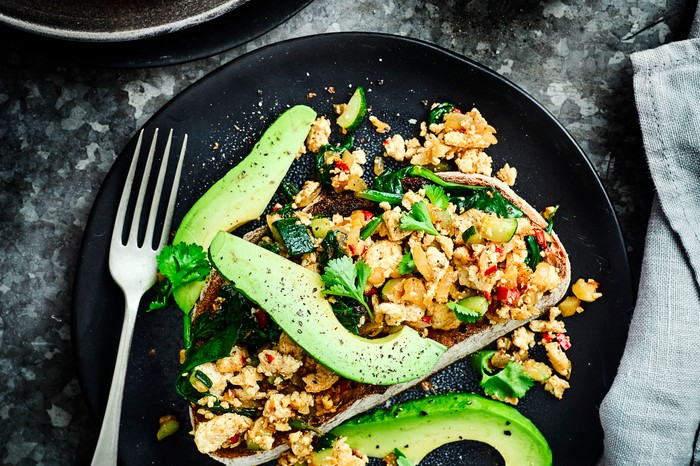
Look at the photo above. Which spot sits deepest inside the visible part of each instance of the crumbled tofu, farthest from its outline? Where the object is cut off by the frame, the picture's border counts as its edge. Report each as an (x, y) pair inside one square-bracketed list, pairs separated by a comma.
[(261, 435), (343, 455), (554, 326), (247, 379), (300, 442), (586, 290), (210, 435), (218, 379), (379, 125), (307, 193), (545, 277), (234, 362), (318, 134), (560, 362), (395, 148), (446, 244), (507, 174), (474, 161), (384, 257), (274, 363), (523, 339), (287, 346), (280, 408), (395, 314), (320, 380), (556, 386)]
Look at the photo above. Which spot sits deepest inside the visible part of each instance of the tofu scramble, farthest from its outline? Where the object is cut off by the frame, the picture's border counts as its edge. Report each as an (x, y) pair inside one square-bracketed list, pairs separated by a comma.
[(438, 262)]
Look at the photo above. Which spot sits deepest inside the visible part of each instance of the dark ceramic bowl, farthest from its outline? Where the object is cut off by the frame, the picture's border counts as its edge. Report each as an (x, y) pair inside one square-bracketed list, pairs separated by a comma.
[(110, 20)]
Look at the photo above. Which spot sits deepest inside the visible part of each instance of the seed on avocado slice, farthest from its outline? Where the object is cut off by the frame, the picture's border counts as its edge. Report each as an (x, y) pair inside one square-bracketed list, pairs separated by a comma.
[(245, 191), (420, 426), (292, 296)]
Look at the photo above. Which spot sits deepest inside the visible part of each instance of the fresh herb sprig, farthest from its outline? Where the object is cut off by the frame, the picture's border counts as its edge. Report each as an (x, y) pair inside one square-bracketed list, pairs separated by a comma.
[(178, 264), (510, 382), (437, 196), (463, 313), (418, 219), (406, 265), (342, 277)]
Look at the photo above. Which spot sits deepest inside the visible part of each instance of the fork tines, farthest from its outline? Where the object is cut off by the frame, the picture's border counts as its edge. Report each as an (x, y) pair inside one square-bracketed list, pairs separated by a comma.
[(147, 186)]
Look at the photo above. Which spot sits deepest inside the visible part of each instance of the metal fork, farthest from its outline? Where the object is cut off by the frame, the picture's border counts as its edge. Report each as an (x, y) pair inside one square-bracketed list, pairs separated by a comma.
[(133, 267)]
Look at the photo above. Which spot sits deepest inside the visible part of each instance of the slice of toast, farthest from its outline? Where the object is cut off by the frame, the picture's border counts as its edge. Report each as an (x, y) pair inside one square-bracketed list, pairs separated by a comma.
[(356, 398)]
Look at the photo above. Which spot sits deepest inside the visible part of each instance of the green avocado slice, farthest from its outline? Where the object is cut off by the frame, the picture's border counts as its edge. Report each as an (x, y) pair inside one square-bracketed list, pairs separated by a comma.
[(418, 427), (245, 191), (292, 296)]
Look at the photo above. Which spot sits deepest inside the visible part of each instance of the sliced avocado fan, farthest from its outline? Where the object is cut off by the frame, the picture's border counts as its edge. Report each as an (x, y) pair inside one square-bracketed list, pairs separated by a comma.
[(420, 426), (292, 296), (245, 191)]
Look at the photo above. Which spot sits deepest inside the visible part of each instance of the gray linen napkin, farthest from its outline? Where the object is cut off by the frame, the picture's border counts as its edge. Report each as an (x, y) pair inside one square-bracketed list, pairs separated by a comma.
[(652, 413)]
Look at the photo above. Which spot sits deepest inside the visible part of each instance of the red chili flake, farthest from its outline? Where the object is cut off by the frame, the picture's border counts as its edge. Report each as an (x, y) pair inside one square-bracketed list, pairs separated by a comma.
[(234, 439), (547, 336), (269, 357), (276, 207), (372, 291), (564, 341), (261, 318), (490, 270), (487, 295), (456, 110), (368, 215), (541, 238), (509, 295), (498, 249), (355, 250), (427, 319), (342, 166), (385, 142)]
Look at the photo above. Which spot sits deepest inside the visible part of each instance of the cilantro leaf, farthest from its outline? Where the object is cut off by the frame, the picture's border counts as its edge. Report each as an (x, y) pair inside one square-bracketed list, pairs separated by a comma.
[(418, 219), (343, 278), (401, 459), (437, 196), (179, 264), (463, 313), (511, 381), (407, 265)]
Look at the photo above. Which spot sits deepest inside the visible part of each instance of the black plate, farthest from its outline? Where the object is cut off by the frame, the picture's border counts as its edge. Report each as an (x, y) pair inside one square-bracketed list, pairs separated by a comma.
[(225, 32), (224, 114)]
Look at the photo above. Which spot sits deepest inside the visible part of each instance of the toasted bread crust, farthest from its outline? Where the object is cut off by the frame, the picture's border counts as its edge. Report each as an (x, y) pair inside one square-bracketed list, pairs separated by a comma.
[(357, 398)]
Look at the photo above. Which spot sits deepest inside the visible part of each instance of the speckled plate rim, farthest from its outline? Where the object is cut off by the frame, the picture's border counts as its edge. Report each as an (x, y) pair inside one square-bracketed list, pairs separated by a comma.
[(120, 35), (596, 204)]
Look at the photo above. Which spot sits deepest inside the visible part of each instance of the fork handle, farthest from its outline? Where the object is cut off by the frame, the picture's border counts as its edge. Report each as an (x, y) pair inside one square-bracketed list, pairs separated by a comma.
[(107, 448)]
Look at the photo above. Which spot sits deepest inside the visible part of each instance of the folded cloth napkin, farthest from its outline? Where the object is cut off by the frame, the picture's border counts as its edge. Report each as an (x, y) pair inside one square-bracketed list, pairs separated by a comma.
[(652, 413)]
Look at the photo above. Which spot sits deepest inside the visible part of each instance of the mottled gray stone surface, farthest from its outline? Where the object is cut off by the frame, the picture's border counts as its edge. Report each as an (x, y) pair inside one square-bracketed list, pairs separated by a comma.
[(61, 127)]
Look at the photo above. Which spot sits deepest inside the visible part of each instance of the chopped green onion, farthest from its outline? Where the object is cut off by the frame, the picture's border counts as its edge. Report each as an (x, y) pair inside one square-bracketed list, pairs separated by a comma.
[(371, 227)]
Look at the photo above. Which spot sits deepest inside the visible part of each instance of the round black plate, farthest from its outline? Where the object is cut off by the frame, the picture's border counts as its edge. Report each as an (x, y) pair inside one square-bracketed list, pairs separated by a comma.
[(243, 24), (225, 113)]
